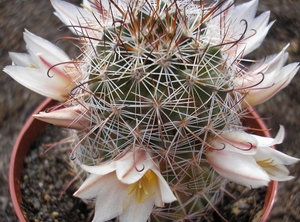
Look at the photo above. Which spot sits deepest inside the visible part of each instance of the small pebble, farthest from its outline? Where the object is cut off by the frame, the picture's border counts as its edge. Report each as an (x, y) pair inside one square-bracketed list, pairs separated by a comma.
[(36, 204), (47, 197), (58, 184), (41, 184), (55, 214), (3, 202), (25, 177), (34, 156)]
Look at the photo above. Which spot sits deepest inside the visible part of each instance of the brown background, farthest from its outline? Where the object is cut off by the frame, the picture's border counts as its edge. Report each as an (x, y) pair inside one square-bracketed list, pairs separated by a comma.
[(16, 102)]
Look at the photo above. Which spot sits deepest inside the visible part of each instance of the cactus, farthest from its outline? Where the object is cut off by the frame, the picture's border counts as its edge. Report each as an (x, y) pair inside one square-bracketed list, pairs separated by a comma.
[(160, 91), (154, 83)]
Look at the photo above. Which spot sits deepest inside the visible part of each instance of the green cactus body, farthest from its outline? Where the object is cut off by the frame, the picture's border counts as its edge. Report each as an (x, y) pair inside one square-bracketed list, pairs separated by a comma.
[(154, 82)]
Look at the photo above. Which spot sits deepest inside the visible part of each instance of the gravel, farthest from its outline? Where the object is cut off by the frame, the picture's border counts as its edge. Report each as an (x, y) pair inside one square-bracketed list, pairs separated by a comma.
[(47, 184)]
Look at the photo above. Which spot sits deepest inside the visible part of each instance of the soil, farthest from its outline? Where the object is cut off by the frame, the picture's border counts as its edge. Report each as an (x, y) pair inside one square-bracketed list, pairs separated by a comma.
[(47, 183), (241, 204), (17, 103)]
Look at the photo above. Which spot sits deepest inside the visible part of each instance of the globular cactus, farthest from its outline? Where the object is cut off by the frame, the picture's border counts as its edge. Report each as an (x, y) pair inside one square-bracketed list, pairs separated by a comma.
[(154, 82), (157, 97)]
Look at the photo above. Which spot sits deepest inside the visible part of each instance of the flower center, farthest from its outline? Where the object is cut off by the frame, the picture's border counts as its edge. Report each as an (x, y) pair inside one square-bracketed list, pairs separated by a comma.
[(267, 163), (144, 189)]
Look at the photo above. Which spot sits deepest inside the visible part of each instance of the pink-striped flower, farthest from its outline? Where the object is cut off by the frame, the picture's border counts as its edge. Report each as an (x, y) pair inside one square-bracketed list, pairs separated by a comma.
[(127, 187), (46, 69), (265, 78), (88, 21), (74, 117), (249, 159), (237, 28)]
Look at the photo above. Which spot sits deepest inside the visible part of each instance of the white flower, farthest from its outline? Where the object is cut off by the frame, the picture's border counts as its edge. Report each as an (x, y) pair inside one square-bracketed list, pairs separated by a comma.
[(80, 21), (128, 187), (74, 117), (265, 78), (88, 20), (46, 70), (237, 28), (249, 159)]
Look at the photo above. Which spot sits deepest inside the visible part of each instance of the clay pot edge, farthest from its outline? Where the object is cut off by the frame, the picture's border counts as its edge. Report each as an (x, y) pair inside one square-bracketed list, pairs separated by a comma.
[(25, 139)]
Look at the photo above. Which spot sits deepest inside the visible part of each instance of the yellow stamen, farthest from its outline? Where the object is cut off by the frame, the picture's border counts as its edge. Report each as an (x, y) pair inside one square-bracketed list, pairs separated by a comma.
[(86, 8), (144, 189), (267, 163), (31, 66)]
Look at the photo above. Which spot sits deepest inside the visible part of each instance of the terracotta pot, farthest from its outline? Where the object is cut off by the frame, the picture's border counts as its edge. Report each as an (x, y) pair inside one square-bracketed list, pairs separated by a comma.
[(26, 138), (33, 127)]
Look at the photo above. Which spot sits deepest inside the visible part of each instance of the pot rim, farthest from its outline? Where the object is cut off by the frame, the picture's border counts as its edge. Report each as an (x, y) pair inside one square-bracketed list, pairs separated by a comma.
[(32, 127), (25, 139)]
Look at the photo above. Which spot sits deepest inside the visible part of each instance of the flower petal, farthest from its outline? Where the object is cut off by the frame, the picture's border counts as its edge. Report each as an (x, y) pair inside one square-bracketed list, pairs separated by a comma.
[(280, 173), (235, 141), (39, 46), (39, 82), (47, 70), (237, 29), (166, 195), (110, 195), (241, 169), (21, 59), (133, 165), (137, 212), (265, 78), (89, 189), (277, 157), (75, 17), (255, 34), (101, 169), (267, 142), (70, 117), (284, 77)]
